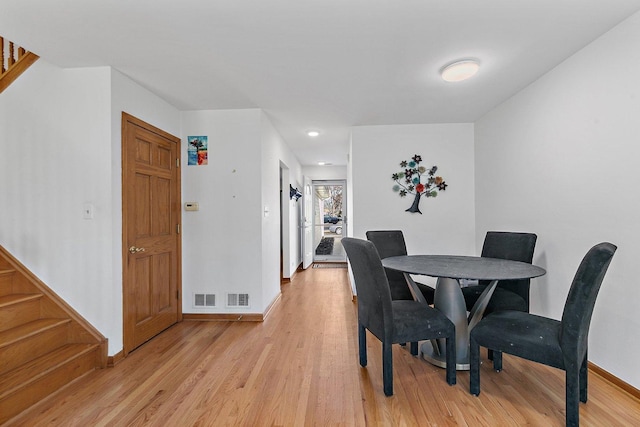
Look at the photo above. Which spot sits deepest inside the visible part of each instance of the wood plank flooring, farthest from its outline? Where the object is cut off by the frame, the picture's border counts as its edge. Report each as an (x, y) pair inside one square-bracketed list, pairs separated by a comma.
[(300, 367)]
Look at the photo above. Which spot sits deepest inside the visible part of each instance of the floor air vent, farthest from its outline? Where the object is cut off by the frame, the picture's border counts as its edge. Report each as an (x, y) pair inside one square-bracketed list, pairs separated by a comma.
[(237, 300), (204, 300)]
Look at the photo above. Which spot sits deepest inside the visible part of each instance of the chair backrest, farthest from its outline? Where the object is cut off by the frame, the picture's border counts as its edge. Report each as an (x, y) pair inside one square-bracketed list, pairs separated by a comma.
[(391, 243), (514, 247), (374, 297), (388, 242), (581, 299)]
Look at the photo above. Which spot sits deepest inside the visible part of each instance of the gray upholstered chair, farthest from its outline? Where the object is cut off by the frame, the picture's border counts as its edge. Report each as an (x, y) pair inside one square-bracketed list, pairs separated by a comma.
[(391, 243), (509, 294), (392, 321), (560, 344)]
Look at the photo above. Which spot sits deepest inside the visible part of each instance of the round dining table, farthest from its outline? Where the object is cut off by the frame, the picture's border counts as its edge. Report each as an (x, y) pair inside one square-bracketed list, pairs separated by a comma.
[(450, 269)]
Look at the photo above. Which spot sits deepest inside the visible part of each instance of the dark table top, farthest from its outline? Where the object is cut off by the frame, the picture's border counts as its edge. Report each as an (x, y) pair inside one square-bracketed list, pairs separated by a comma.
[(463, 267)]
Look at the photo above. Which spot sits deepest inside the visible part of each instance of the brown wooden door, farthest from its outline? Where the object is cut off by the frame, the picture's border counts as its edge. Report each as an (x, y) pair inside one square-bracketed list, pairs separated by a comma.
[(150, 224)]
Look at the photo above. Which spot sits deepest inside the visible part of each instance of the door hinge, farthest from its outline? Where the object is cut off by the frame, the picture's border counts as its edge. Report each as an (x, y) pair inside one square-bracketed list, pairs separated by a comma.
[(177, 228), (177, 162), (177, 294)]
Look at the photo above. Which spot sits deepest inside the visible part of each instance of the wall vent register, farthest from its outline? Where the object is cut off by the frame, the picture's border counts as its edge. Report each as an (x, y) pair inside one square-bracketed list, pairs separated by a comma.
[(237, 300), (204, 300)]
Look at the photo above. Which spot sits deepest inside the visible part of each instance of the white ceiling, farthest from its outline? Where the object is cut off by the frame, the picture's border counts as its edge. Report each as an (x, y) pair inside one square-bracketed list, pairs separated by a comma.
[(317, 64)]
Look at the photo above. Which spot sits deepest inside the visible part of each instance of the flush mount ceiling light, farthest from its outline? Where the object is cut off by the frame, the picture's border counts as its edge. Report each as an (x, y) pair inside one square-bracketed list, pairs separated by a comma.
[(313, 133), (459, 70)]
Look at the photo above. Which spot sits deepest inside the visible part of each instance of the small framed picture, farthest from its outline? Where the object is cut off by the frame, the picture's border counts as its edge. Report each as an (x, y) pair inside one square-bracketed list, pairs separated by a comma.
[(198, 150)]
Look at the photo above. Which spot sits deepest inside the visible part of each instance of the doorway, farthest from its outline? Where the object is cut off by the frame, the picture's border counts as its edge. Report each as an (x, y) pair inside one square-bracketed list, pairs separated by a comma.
[(151, 244), (329, 220)]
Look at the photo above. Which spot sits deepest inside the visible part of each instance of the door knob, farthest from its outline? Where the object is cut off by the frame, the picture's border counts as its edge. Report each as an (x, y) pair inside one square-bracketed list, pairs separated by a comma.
[(134, 250)]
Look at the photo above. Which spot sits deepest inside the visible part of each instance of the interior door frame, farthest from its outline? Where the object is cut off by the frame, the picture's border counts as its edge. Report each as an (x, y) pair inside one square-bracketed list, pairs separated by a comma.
[(306, 224), (129, 119)]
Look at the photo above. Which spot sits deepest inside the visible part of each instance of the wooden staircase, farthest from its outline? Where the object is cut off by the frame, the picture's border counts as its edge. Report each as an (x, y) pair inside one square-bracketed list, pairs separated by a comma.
[(44, 343), (14, 61)]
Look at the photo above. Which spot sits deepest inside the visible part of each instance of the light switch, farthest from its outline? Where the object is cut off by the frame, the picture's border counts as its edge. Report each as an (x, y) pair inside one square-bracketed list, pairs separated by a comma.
[(191, 206)]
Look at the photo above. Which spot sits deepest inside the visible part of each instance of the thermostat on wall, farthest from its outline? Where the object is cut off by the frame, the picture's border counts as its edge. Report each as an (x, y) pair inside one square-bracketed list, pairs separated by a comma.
[(191, 206)]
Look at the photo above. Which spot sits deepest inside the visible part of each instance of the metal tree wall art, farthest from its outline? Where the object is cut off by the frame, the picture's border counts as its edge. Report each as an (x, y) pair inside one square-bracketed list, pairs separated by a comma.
[(418, 181)]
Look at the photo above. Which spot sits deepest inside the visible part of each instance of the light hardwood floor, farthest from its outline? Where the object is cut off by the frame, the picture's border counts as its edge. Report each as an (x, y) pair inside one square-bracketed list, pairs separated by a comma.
[(300, 367)]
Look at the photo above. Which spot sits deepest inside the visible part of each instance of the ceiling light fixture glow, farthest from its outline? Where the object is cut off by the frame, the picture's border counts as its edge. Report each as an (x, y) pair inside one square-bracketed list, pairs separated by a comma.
[(313, 133), (460, 70)]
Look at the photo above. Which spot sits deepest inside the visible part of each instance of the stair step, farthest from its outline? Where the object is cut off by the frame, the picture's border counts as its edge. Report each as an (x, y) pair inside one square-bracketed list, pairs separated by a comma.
[(6, 281), (43, 365), (31, 382), (8, 300), (26, 342), (18, 309), (44, 343)]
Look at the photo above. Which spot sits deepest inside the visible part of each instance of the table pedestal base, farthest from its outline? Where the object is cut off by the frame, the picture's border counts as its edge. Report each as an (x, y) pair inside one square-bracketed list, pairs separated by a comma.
[(450, 301), (438, 360)]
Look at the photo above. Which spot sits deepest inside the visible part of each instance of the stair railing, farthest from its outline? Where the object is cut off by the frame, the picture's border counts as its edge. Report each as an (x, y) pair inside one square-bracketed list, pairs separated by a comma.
[(15, 60)]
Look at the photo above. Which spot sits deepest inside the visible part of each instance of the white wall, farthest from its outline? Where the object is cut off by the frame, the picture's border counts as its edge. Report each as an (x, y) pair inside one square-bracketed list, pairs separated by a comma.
[(561, 159), (55, 140), (325, 172), (447, 221), (221, 243), (230, 245), (276, 154)]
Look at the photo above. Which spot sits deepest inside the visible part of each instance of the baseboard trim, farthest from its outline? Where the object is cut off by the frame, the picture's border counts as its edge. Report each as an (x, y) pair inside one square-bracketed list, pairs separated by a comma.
[(224, 317), (115, 359), (286, 280), (273, 304), (595, 369)]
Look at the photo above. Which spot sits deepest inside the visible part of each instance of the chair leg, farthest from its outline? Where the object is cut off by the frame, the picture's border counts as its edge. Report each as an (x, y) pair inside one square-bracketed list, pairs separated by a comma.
[(362, 341), (414, 348), (451, 358), (497, 360), (572, 396), (474, 367), (583, 380), (489, 354), (387, 368)]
